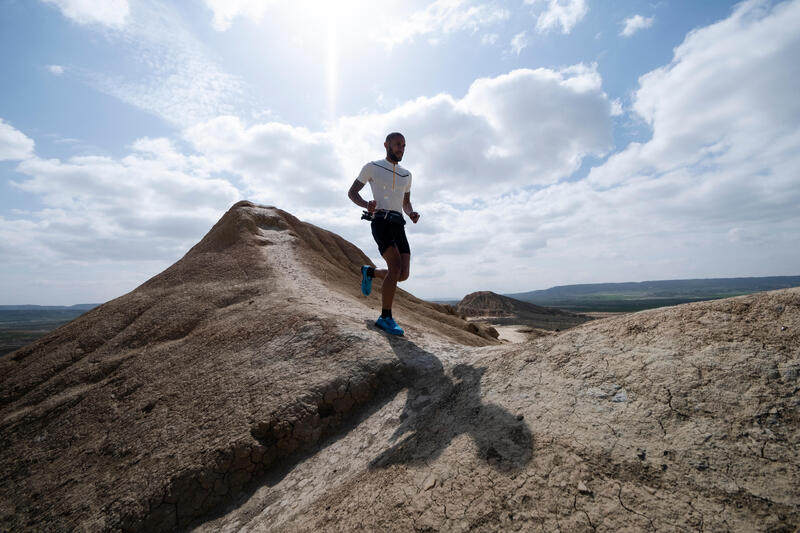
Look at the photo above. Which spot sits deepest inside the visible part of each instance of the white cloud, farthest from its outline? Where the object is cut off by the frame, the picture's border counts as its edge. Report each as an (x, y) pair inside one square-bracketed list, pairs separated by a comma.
[(14, 145), (369, 20), (56, 70), (528, 127), (165, 69), (227, 10), (636, 23), (109, 13), (150, 205), (523, 129), (712, 193), (440, 18), (106, 224), (169, 72), (560, 13), (519, 42), (280, 164), (489, 38), (715, 189), (727, 94)]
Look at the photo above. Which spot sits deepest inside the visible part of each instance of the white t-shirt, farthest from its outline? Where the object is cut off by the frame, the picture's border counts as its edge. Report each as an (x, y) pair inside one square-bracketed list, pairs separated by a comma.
[(389, 182)]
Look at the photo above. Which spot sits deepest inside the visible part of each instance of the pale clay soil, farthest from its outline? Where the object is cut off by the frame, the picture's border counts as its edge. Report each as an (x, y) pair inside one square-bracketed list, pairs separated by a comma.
[(518, 333), (283, 409)]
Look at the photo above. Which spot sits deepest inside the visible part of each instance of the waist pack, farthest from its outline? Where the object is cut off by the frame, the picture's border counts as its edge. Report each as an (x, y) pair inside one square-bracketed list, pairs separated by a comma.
[(392, 217)]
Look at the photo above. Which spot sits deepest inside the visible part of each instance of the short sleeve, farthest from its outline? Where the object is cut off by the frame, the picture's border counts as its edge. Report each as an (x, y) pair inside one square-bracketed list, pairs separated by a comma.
[(364, 176), (408, 185)]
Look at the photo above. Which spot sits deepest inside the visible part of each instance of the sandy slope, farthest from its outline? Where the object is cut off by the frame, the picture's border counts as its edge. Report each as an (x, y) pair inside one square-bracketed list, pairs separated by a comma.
[(245, 389), (162, 404), (518, 333), (677, 419)]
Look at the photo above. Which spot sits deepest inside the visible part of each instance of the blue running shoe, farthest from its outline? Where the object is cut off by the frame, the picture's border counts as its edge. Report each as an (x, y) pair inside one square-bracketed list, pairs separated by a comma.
[(389, 326), (366, 281)]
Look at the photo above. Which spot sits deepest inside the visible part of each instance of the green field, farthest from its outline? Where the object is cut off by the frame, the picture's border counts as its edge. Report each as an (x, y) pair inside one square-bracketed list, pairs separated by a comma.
[(19, 327), (626, 303), (617, 305), (638, 296)]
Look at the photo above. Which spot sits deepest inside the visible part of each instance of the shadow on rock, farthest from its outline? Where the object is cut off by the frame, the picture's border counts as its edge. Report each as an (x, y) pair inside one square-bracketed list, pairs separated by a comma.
[(439, 408)]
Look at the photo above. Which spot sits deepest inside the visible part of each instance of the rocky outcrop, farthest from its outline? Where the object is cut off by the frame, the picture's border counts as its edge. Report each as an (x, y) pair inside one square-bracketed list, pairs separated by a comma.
[(501, 309), (245, 388), (683, 418), (162, 404)]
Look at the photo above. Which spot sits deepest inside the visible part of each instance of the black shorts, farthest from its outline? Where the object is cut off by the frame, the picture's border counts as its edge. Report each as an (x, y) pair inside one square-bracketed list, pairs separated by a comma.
[(388, 234)]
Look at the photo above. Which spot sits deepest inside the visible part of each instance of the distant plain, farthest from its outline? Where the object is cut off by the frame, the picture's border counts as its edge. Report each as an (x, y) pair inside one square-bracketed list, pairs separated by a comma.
[(23, 324)]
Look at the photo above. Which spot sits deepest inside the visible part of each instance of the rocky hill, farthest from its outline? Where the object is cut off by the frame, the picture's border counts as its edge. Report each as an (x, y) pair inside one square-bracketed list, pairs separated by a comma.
[(501, 309), (157, 406), (245, 388)]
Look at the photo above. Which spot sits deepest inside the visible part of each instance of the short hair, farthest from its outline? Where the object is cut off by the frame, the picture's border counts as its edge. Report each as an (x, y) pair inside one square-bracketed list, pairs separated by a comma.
[(394, 135)]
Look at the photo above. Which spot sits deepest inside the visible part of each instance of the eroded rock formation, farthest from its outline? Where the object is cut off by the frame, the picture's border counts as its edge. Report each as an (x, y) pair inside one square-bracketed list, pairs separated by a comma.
[(501, 309), (245, 388)]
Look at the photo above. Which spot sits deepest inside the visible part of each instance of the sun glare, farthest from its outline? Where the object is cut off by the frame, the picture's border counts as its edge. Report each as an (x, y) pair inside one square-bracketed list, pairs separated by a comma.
[(336, 31)]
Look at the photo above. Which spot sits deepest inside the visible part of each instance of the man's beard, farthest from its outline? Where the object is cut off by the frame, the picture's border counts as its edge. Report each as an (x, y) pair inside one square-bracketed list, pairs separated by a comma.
[(392, 157)]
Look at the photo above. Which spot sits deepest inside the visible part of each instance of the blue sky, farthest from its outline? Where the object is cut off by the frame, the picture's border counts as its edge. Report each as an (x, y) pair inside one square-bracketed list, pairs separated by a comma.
[(551, 141)]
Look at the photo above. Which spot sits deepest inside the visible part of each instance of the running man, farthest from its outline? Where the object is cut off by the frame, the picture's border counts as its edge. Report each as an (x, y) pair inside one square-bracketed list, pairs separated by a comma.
[(391, 192)]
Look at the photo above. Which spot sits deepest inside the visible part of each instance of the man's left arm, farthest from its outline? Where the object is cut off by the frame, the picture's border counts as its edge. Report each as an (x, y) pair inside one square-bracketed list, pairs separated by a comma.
[(413, 215)]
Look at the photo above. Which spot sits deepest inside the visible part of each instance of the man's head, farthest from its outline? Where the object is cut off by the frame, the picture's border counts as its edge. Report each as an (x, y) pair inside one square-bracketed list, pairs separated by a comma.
[(395, 146)]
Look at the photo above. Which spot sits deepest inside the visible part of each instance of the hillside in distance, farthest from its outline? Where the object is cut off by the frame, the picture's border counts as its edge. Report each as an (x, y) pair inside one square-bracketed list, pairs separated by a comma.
[(499, 309), (35, 308), (21, 325), (637, 296)]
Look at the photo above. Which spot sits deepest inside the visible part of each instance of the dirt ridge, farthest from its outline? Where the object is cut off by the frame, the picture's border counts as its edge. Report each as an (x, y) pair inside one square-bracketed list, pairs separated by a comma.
[(246, 389), (121, 418)]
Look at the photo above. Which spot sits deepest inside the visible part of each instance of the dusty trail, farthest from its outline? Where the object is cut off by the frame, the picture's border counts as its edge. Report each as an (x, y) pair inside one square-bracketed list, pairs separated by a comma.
[(317, 288), (432, 366), (339, 461)]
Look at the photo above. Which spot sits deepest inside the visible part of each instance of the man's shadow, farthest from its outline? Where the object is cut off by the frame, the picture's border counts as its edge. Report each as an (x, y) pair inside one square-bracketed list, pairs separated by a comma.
[(439, 408)]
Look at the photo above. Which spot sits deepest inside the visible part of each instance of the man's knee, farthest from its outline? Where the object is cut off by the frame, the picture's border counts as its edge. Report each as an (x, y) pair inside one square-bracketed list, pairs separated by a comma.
[(395, 268), (405, 266)]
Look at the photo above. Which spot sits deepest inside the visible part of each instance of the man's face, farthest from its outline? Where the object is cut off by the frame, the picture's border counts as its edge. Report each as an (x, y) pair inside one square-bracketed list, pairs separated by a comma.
[(395, 148)]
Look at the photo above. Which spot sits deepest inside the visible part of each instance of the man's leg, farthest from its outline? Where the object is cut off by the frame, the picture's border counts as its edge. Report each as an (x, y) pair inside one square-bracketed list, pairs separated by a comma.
[(397, 270), (390, 275), (405, 266), (405, 261)]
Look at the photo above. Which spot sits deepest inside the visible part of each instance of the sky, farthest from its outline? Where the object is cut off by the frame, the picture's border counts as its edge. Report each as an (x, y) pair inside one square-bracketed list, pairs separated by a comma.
[(551, 142)]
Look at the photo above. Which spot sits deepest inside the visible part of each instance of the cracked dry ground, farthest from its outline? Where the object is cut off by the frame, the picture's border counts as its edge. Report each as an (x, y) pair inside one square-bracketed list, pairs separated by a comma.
[(667, 420), (245, 389)]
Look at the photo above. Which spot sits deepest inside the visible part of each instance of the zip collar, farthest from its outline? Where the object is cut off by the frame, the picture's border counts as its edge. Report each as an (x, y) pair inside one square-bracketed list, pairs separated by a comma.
[(394, 171)]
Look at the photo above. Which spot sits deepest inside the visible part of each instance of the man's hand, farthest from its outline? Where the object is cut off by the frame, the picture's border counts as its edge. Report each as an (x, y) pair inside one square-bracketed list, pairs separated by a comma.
[(371, 205), (414, 216)]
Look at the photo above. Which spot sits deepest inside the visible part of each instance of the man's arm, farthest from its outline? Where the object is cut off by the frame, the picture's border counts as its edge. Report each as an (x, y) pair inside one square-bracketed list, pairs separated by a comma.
[(413, 215), (355, 195)]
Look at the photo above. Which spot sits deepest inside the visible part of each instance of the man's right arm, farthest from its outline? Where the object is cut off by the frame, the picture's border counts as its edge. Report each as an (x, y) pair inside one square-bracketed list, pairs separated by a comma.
[(355, 195)]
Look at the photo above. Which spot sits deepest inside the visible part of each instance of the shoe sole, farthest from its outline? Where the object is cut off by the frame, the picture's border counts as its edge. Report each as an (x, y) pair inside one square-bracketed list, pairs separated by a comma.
[(388, 331)]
